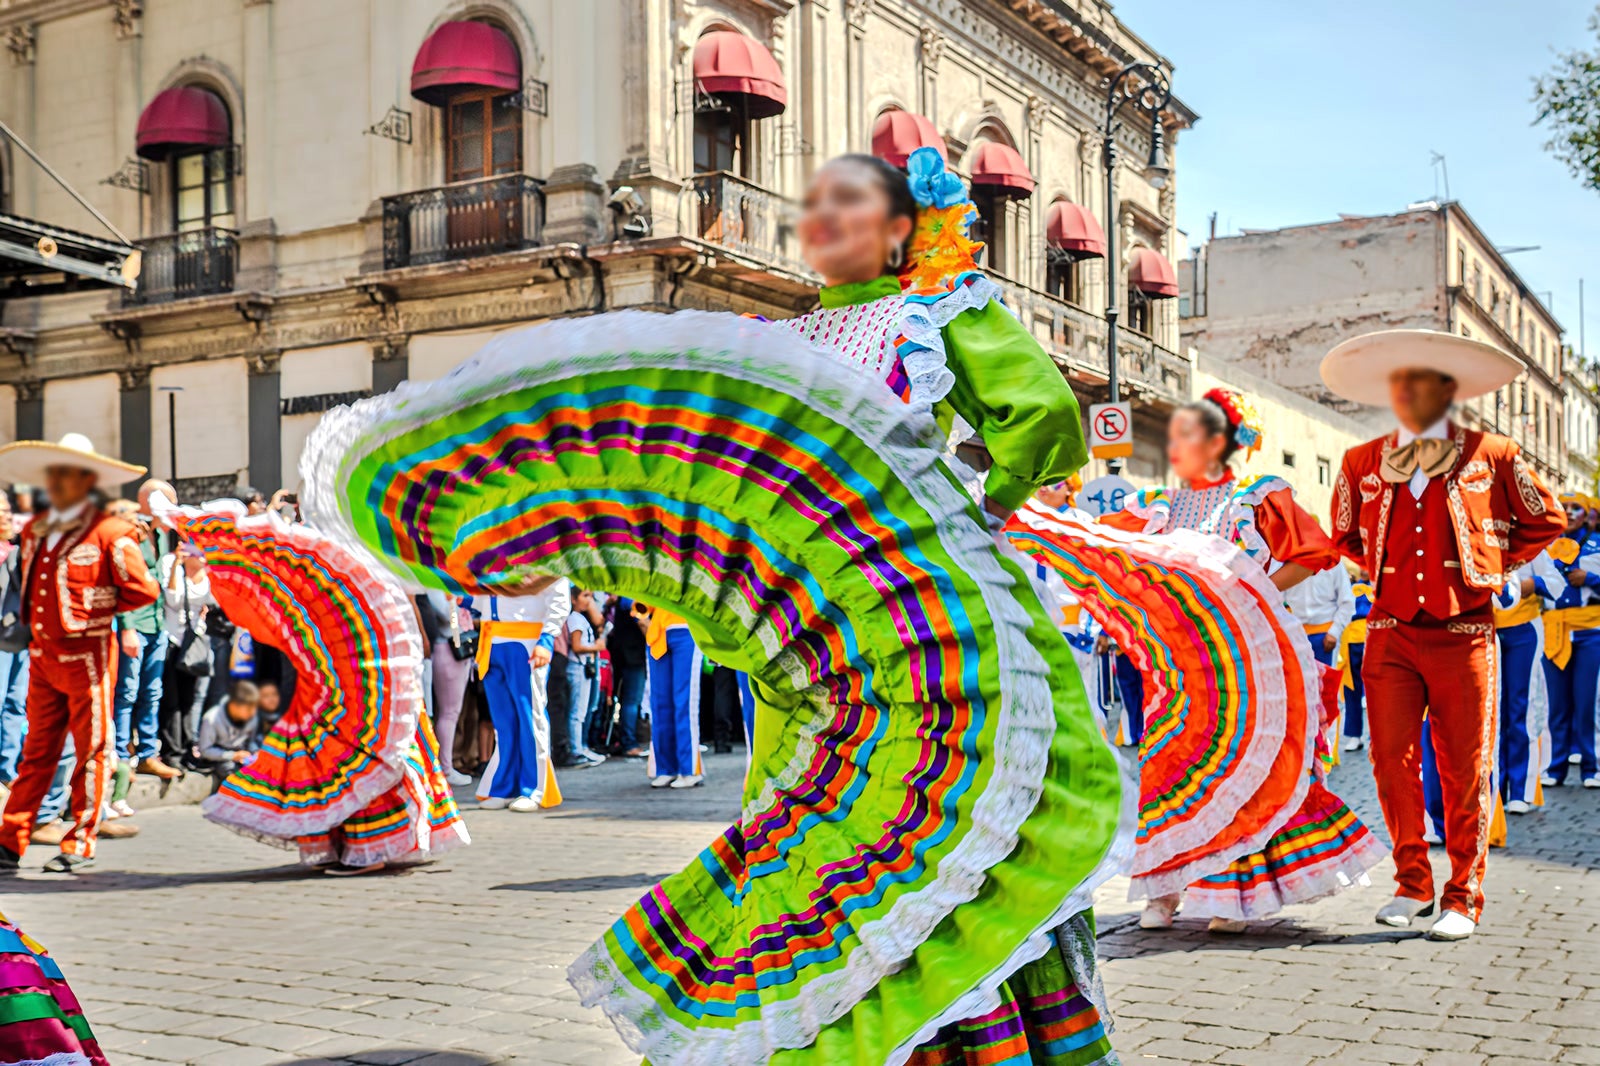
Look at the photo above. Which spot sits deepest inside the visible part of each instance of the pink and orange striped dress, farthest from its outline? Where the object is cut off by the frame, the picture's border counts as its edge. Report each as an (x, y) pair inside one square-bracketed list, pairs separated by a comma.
[(1317, 845), (40, 1019)]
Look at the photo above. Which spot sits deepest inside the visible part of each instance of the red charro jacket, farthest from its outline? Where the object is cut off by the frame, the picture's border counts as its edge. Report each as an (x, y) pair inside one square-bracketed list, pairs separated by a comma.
[(94, 573), (1502, 514)]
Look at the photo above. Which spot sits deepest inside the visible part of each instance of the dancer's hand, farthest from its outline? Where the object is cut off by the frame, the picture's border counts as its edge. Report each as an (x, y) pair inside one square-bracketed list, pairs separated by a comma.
[(1329, 641), (541, 657)]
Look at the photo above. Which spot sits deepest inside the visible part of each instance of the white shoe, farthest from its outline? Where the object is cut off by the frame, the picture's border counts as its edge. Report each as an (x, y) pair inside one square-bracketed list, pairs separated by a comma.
[(1592, 781), (1574, 759), (523, 805), (123, 810), (1548, 782), (661, 780), (1452, 925), (109, 813), (1399, 911), (1518, 807), (1159, 912), (1352, 743), (457, 778), (1231, 926), (1430, 837), (687, 781), (494, 803)]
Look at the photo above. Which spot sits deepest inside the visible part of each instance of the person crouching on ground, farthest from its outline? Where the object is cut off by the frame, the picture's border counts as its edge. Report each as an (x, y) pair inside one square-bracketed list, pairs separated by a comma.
[(227, 738)]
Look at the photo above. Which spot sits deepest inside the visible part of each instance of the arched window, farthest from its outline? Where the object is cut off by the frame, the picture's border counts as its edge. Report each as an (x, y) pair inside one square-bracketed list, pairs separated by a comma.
[(472, 72), (999, 176), (188, 130), (737, 82)]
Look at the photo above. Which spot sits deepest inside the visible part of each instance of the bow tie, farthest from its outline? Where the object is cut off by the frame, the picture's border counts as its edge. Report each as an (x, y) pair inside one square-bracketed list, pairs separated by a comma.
[(1431, 455)]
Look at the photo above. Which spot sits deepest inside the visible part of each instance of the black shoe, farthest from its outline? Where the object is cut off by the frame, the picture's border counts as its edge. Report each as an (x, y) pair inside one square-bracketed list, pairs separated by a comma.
[(10, 861), (68, 864)]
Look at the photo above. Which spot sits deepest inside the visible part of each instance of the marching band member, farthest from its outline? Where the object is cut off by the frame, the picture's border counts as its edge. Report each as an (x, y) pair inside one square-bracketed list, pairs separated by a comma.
[(1567, 576)]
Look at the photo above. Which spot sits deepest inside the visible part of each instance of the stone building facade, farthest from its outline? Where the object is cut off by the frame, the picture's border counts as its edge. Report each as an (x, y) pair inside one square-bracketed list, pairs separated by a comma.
[(1580, 386), (326, 205), (1276, 301)]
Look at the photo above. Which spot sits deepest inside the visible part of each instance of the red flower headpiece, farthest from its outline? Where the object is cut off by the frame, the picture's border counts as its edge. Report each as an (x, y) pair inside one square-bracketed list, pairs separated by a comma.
[(1241, 415)]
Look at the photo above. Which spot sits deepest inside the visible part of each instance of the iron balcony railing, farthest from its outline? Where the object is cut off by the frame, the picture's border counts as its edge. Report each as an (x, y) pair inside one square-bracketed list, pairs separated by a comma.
[(465, 220), (743, 217), (178, 266), (1077, 340)]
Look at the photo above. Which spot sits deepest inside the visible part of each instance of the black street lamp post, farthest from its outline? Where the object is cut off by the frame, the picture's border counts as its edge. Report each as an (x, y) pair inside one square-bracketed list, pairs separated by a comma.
[(1150, 90)]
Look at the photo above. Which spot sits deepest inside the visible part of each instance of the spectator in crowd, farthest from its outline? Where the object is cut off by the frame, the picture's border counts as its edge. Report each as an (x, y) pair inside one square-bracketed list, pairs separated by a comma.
[(140, 665), (674, 702), (583, 679), (186, 590), (630, 657), (13, 664), (269, 706), (428, 622), (254, 502), (227, 738), (517, 633), (453, 647)]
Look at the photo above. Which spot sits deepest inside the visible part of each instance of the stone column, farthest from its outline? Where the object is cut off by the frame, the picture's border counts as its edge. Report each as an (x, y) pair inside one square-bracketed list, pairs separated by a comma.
[(30, 410), (136, 416), (258, 258), (20, 42), (391, 363), (930, 49), (1031, 217), (575, 201), (266, 432), (856, 12)]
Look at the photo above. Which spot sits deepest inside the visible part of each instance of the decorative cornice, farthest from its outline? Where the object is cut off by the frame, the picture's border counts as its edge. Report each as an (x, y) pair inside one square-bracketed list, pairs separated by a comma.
[(127, 16), (22, 42)]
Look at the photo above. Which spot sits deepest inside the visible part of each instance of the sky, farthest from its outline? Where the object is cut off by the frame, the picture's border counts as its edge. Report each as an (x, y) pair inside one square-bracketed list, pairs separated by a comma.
[(1312, 110)]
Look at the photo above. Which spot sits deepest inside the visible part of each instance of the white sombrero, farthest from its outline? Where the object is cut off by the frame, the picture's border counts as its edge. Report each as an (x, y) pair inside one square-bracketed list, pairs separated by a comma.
[(25, 461), (1359, 368)]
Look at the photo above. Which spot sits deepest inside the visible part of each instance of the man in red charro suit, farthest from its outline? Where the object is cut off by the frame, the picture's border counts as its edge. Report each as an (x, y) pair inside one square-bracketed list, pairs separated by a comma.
[(1439, 515), (80, 569)]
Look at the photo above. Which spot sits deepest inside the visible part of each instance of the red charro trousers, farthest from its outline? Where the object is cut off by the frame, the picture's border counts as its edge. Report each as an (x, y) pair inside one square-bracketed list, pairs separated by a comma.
[(70, 686), (1449, 669)]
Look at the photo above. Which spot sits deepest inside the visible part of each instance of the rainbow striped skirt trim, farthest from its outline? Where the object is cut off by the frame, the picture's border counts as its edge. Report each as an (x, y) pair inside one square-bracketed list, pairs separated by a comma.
[(41, 1023), (926, 801), (351, 770)]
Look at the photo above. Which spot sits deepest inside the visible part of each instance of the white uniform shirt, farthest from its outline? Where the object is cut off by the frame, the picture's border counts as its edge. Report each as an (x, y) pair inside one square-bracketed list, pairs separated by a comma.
[(1324, 599)]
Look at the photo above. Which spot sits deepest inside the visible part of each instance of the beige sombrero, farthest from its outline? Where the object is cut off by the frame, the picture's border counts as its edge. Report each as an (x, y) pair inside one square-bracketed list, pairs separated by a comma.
[(1359, 368), (25, 461)]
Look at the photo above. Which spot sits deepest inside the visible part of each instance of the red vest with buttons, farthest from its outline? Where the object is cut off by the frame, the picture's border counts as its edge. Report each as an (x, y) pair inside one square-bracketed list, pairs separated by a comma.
[(1422, 572), (92, 573)]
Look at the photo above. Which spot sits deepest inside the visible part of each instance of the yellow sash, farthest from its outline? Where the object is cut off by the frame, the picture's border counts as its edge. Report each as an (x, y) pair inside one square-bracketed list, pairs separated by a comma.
[(1559, 626), (1318, 629), (655, 635), (489, 628), (1354, 633), (1525, 611), (1070, 613)]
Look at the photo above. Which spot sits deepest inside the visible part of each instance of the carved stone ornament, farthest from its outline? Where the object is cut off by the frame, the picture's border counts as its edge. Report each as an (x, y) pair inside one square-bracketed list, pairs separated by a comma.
[(22, 43), (264, 362), (932, 42), (856, 12), (1038, 111), (128, 18)]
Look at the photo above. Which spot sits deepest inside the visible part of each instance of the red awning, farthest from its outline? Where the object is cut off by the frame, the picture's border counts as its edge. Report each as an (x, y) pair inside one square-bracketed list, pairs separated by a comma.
[(183, 117), (729, 64), (897, 134), (999, 165), (1152, 274), (462, 56), (1073, 230)]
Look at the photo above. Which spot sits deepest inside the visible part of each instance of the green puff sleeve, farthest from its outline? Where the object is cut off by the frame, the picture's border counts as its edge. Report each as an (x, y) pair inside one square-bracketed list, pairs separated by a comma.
[(1009, 389)]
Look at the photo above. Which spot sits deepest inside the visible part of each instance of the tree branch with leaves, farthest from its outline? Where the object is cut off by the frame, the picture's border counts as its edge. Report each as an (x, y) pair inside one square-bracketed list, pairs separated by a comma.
[(1568, 99)]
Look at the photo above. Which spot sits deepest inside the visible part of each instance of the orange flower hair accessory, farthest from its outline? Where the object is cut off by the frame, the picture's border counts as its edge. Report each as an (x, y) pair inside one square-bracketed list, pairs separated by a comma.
[(1242, 416), (940, 249)]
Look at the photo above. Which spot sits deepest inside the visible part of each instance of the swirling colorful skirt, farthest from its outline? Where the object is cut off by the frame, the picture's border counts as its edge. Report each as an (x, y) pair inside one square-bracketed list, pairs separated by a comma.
[(351, 771), (41, 1023), (927, 802)]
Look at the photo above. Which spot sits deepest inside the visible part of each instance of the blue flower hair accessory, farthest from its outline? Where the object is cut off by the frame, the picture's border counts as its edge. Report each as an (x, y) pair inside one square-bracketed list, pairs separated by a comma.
[(931, 184)]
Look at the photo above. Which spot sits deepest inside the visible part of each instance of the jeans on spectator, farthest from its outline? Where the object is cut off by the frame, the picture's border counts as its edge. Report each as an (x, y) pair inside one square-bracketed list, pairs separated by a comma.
[(55, 801), (139, 694), (13, 711), (630, 693), (581, 690)]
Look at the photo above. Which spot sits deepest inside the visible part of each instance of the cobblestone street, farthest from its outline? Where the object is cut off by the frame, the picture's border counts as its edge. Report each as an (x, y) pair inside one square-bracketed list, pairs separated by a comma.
[(192, 945)]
